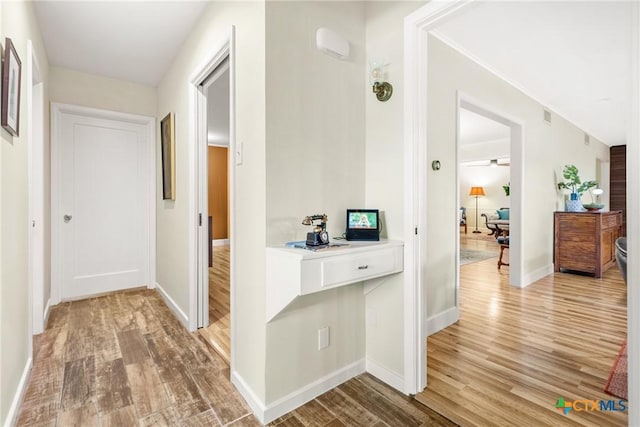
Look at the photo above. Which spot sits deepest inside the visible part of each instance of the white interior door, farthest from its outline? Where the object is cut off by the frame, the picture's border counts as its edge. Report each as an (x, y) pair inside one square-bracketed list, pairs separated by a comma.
[(104, 194)]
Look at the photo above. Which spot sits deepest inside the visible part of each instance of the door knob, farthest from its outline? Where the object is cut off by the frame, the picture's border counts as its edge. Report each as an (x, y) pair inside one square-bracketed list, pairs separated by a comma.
[(67, 218)]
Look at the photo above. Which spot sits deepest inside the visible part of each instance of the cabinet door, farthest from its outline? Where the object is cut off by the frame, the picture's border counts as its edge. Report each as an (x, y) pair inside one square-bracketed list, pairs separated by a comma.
[(607, 246)]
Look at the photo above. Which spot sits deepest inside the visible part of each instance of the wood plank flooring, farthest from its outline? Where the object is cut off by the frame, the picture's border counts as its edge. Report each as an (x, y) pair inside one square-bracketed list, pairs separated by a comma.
[(515, 352), (218, 333), (124, 360)]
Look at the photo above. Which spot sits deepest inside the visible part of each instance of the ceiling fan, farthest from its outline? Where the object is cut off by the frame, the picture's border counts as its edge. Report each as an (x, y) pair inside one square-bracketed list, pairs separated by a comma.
[(493, 163)]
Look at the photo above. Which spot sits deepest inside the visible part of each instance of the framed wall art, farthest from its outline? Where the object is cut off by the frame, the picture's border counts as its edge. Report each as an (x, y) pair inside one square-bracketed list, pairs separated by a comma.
[(168, 148), (11, 71)]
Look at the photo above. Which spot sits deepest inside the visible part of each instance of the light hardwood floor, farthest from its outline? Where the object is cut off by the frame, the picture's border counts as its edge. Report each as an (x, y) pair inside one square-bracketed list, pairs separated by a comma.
[(125, 360), (514, 352), (218, 333)]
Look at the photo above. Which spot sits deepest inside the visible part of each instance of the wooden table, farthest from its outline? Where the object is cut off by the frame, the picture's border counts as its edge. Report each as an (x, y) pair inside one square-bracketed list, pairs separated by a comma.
[(502, 248)]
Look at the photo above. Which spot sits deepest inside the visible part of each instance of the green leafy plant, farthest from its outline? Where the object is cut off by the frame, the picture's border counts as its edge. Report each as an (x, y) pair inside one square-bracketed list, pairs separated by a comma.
[(507, 188), (573, 183)]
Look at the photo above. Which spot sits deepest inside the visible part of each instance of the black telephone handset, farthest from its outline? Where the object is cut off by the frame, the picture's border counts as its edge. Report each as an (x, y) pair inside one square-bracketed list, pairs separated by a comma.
[(319, 236)]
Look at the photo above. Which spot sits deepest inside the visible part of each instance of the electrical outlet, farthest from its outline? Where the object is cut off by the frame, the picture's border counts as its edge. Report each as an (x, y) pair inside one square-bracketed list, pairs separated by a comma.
[(323, 338)]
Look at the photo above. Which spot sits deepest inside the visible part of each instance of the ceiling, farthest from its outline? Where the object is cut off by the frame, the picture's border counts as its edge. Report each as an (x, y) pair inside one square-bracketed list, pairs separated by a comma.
[(475, 128), (572, 57), (128, 40)]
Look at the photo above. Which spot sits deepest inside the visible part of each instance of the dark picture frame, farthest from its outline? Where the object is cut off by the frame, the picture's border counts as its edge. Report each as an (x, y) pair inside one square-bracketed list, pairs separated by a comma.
[(168, 149), (11, 77)]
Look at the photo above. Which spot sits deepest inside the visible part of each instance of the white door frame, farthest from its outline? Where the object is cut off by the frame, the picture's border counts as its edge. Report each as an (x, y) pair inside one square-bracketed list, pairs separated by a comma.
[(198, 207), (35, 149), (205, 245), (415, 165), (415, 65), (57, 110), (633, 225)]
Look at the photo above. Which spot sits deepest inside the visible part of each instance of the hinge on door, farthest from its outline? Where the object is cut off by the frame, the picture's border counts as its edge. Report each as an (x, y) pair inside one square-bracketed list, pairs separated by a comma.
[(416, 231), (200, 219)]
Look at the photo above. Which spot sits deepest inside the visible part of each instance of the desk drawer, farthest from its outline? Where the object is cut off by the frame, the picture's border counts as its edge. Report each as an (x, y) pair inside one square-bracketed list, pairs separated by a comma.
[(357, 268), (336, 271)]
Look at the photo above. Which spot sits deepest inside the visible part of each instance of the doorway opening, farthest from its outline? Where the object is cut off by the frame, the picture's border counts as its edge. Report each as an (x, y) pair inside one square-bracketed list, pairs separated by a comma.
[(214, 159), (484, 147), (216, 329), (502, 210)]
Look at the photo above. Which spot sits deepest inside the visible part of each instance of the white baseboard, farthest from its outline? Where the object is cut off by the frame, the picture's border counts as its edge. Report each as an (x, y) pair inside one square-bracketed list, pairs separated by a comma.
[(12, 415), (181, 315), (254, 402), (534, 276), (311, 391), (440, 321), (220, 242), (288, 403), (385, 375)]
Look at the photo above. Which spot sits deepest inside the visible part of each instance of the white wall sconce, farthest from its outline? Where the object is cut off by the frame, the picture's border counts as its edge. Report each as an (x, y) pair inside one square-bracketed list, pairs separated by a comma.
[(377, 74)]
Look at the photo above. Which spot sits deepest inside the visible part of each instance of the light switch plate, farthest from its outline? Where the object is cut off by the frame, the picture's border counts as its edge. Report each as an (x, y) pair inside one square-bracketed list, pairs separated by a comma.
[(239, 153)]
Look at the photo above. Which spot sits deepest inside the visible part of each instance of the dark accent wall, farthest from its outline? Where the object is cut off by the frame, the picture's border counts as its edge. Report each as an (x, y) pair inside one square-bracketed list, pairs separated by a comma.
[(618, 182)]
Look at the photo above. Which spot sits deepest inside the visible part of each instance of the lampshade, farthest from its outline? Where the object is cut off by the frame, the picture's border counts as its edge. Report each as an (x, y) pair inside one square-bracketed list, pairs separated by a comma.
[(476, 191), (376, 71)]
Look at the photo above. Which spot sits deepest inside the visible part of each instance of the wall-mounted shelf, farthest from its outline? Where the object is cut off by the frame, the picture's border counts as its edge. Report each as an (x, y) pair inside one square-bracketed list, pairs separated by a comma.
[(295, 272)]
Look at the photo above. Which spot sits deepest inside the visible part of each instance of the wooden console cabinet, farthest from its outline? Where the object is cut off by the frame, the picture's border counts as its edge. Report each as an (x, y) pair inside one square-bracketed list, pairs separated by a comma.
[(585, 241)]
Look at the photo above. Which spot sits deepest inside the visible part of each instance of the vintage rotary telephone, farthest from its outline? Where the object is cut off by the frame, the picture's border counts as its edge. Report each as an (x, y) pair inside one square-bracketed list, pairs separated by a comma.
[(319, 235)]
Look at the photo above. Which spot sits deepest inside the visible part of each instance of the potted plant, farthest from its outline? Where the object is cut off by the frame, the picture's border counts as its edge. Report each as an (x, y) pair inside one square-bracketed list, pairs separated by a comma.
[(577, 187), (507, 188)]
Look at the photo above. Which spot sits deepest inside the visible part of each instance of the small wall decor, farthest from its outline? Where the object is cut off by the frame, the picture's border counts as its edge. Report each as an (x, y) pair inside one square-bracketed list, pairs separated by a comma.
[(11, 72), (167, 143)]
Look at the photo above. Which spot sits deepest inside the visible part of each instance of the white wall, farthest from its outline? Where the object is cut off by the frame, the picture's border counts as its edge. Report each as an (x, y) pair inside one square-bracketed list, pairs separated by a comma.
[(385, 177), (315, 164), (17, 21), (547, 148), (173, 216), (89, 90)]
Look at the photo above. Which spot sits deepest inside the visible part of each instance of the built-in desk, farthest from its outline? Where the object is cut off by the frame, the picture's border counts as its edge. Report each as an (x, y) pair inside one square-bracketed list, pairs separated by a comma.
[(293, 272)]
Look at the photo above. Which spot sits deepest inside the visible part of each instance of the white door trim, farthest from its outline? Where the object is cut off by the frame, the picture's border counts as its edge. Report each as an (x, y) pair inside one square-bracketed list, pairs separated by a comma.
[(198, 237), (35, 148), (633, 224), (415, 165), (57, 110)]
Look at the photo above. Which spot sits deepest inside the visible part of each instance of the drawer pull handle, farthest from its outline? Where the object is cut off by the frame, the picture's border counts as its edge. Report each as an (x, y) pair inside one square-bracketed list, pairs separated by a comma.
[(363, 267)]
